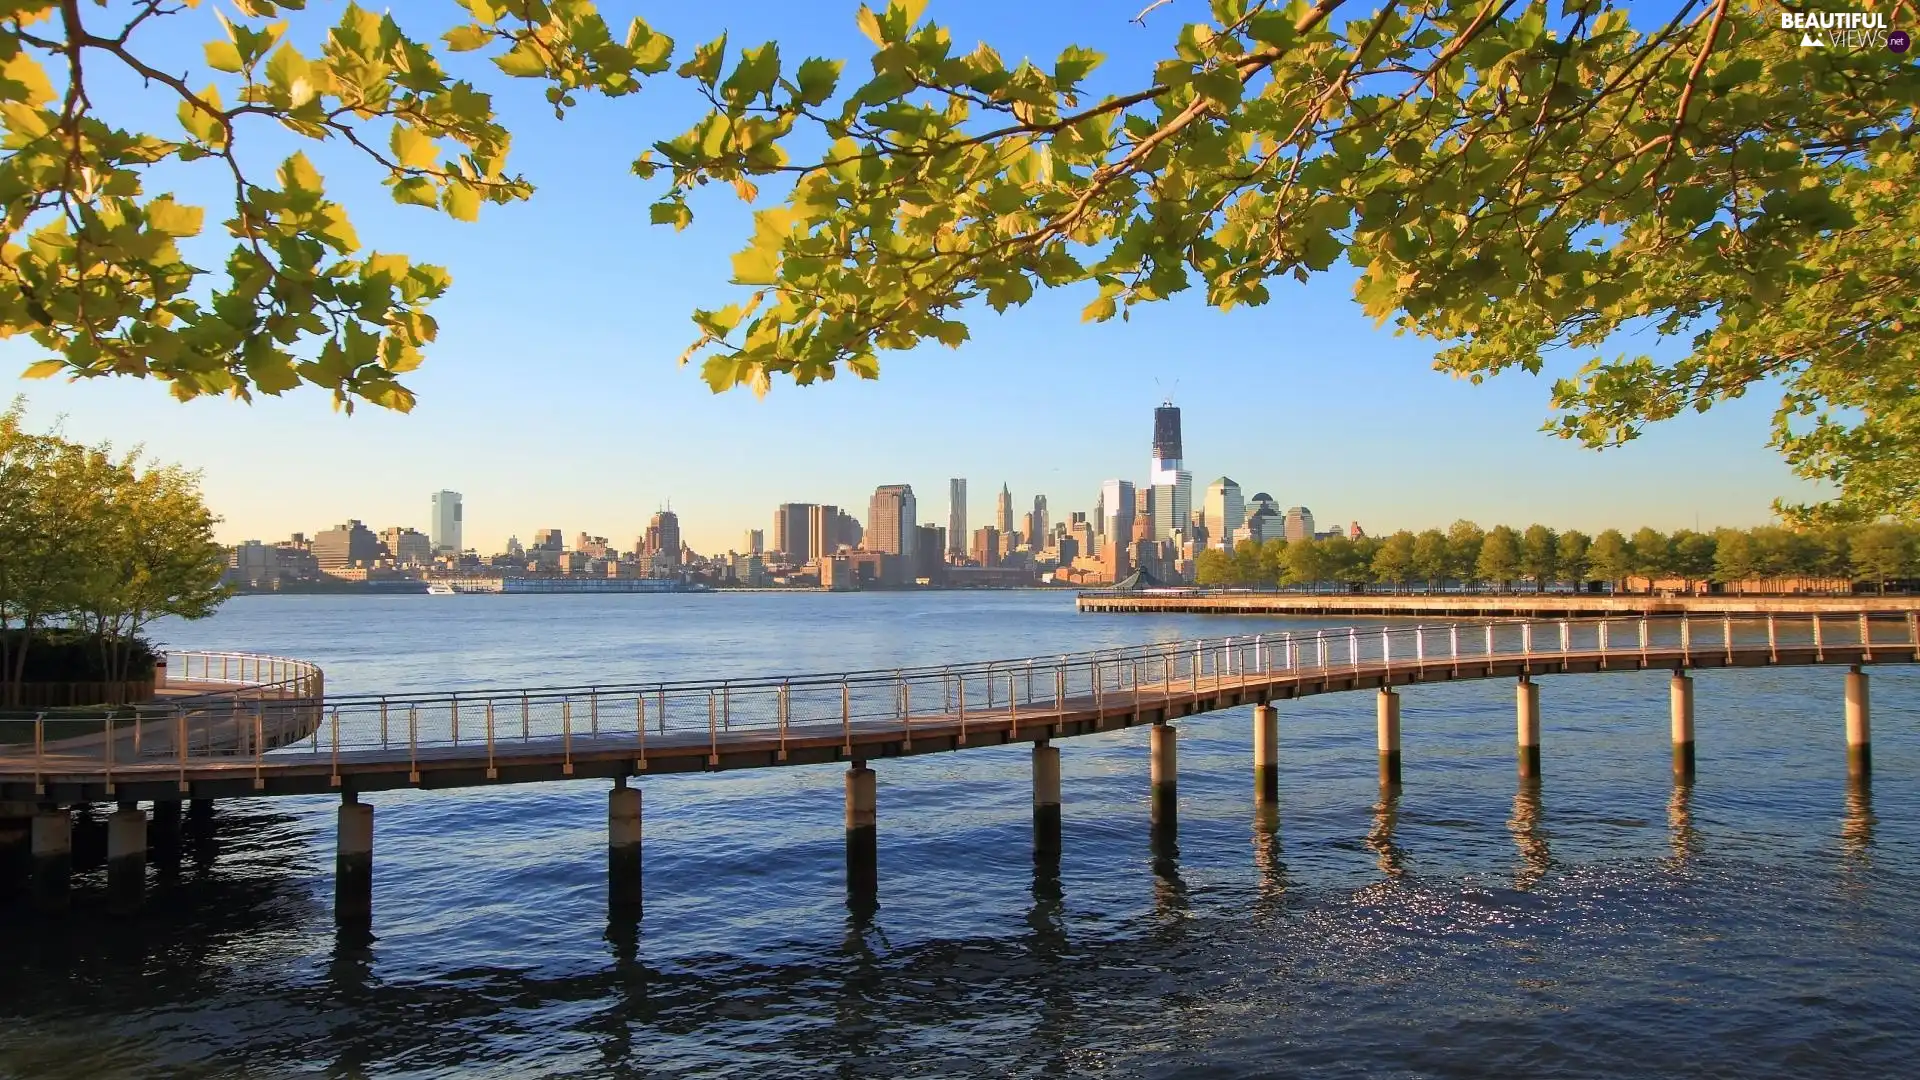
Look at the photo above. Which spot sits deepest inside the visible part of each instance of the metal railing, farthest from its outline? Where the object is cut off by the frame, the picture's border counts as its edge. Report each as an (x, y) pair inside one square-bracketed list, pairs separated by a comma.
[(484, 725)]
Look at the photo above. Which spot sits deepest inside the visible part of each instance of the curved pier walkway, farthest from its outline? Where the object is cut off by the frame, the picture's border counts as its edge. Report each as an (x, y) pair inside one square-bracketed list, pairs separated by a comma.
[(361, 744)]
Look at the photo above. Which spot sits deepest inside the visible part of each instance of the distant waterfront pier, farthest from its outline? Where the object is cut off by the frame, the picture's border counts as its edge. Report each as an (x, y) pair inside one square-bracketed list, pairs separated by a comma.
[(274, 733)]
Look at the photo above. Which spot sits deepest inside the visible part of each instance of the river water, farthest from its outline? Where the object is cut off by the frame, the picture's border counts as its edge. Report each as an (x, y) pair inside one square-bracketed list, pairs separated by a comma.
[(1760, 922)]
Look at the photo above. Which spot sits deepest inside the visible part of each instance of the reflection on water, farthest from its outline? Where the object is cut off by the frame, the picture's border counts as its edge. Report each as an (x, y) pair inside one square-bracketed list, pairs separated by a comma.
[(492, 948), (1529, 837), (1386, 817), (1682, 838), (1269, 863), (1856, 829)]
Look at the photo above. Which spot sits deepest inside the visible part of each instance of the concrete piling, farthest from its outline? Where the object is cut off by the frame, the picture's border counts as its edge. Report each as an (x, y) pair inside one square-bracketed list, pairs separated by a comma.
[(1387, 715), (623, 847), (16, 850), (1681, 693), (353, 865), (163, 828), (1164, 772), (127, 857), (1527, 706), (1859, 726), (863, 847), (1266, 755), (52, 857), (1046, 800)]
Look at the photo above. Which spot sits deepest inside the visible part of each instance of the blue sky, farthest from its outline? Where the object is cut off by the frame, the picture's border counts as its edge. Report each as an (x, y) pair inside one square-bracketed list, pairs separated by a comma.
[(552, 398)]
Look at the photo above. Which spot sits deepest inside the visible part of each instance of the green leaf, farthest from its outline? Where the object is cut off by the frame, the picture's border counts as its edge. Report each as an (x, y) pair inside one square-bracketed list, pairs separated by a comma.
[(416, 191), (467, 38), (1099, 311), (757, 265), (869, 24), (755, 75), (707, 62), (461, 202), (174, 219), (413, 148), (223, 56), (817, 79), (523, 61), (671, 212)]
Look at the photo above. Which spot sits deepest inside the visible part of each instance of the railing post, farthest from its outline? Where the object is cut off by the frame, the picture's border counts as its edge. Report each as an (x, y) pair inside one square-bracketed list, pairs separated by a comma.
[(1489, 640), (526, 718), (1643, 641), (846, 719), (1353, 647), (1913, 639), (1526, 638), (1566, 637), (1320, 640), (1866, 638), (453, 721), (1099, 691), (713, 731), (784, 692), (492, 772), (1060, 685), (1819, 646), (1419, 645), (640, 727), (593, 714), (413, 744), (960, 689), (1773, 640), (1686, 638), (383, 723), (1013, 709), (334, 781)]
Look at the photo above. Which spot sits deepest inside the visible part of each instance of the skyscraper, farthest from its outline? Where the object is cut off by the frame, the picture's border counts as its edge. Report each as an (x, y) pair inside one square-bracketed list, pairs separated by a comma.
[(823, 530), (1003, 517), (1116, 511), (892, 520), (1225, 513), (1172, 484), (444, 524), (662, 544), (1299, 524), (790, 531), (756, 541), (1039, 537), (957, 517)]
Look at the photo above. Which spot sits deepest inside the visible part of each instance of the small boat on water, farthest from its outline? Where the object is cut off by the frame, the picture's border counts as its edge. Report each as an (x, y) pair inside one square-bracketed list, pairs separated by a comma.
[(440, 588)]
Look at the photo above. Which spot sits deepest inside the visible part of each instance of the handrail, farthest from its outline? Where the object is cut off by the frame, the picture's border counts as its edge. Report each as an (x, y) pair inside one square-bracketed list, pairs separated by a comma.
[(1020, 693)]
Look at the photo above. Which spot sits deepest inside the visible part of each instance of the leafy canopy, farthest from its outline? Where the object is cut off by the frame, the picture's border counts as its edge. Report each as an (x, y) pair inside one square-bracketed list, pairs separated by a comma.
[(90, 261), (1511, 179)]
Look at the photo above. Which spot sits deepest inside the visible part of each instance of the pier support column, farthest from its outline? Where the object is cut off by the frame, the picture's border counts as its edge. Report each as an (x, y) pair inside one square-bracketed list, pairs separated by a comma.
[(353, 865), (16, 850), (1387, 709), (1164, 771), (863, 847), (1266, 755), (52, 857), (163, 830), (1046, 801), (127, 857), (1859, 726), (1681, 692), (1527, 708), (623, 847)]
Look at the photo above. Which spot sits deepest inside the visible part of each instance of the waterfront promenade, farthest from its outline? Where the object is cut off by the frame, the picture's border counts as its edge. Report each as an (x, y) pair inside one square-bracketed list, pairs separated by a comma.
[(1531, 605), (360, 745)]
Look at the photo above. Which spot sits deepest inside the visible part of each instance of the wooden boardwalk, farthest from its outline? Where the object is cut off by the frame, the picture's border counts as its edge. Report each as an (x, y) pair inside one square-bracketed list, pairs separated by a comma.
[(373, 743)]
